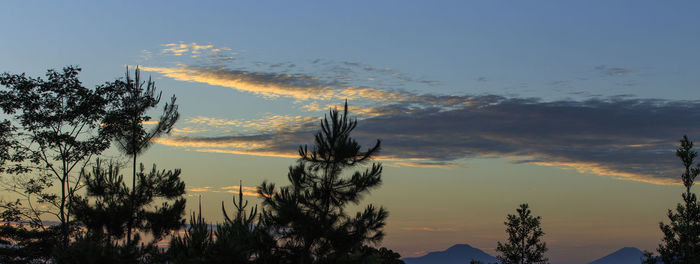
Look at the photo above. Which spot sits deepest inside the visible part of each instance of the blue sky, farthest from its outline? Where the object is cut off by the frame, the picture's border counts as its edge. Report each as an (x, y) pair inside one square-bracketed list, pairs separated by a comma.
[(574, 107)]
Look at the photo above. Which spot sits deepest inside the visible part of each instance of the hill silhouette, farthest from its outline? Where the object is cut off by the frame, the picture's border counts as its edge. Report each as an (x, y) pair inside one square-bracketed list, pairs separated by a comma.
[(457, 254), (626, 255)]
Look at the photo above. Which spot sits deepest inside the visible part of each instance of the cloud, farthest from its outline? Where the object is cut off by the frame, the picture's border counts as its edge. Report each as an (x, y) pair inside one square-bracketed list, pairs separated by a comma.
[(266, 84), (178, 49), (246, 190), (187, 130), (433, 164), (620, 137), (614, 71), (269, 123), (202, 189), (274, 85)]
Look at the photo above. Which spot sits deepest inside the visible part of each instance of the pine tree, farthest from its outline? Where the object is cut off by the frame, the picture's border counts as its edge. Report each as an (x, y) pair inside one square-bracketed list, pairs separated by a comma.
[(239, 239), (308, 216), (126, 120), (106, 214), (243, 238), (195, 245), (681, 242), (524, 245)]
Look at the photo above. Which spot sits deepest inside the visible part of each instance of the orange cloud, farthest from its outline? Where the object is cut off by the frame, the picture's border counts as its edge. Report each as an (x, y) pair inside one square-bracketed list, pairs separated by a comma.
[(248, 191), (270, 123), (260, 153), (273, 85), (266, 85), (201, 143), (594, 168)]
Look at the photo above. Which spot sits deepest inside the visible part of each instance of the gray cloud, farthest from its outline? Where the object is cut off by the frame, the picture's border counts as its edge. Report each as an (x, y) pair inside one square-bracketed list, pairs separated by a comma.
[(621, 137)]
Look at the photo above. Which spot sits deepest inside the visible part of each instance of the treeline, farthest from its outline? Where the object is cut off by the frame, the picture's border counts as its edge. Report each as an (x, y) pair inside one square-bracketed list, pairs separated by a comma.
[(49, 159)]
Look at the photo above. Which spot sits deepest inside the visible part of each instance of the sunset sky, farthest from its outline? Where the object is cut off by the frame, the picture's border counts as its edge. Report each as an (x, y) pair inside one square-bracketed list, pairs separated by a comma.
[(573, 107)]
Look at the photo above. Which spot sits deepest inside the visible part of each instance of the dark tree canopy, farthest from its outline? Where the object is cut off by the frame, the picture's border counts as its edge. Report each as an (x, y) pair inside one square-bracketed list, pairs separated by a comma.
[(524, 245), (58, 130), (681, 241), (309, 215)]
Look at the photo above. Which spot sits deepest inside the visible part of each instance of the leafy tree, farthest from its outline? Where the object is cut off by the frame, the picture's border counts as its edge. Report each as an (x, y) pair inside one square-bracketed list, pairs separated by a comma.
[(57, 134), (308, 217), (524, 243), (681, 242), (130, 103)]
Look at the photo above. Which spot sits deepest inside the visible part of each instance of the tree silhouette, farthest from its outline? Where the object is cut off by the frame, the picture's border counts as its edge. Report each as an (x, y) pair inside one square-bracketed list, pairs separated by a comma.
[(308, 216), (524, 245), (681, 242), (105, 212), (195, 245), (58, 134), (649, 258), (126, 122), (240, 239), (243, 237)]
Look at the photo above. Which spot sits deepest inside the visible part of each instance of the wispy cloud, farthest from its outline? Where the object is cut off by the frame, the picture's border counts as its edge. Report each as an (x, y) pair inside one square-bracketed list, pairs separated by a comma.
[(429, 164), (178, 49), (269, 123), (614, 71), (274, 85), (266, 84), (246, 190)]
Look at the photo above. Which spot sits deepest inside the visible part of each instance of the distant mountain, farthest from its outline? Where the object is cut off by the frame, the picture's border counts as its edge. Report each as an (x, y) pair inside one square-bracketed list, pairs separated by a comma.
[(627, 255), (457, 254)]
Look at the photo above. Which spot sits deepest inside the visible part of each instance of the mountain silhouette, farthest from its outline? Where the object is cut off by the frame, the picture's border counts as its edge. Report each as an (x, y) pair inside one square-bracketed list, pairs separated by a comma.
[(626, 255), (457, 254)]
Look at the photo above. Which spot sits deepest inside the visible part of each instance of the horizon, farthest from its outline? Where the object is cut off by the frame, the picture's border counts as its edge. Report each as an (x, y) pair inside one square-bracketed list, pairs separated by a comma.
[(573, 108)]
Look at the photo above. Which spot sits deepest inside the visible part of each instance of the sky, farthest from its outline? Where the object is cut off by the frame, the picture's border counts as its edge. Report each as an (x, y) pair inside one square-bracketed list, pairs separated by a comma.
[(573, 107)]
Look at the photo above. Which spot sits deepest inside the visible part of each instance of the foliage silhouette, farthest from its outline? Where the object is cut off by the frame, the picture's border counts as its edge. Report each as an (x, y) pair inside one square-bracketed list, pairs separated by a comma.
[(308, 217), (126, 120), (649, 258), (371, 255), (111, 210), (681, 241), (524, 245), (58, 118), (55, 131), (238, 240), (195, 245), (106, 211)]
